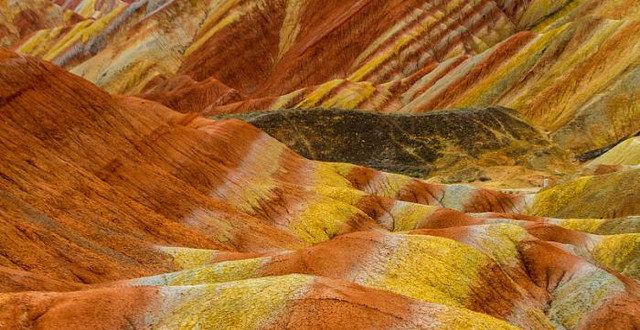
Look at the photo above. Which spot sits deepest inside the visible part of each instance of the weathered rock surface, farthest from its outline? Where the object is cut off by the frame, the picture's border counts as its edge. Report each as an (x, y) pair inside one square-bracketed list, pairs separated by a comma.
[(119, 212), (420, 145), (135, 210), (569, 67)]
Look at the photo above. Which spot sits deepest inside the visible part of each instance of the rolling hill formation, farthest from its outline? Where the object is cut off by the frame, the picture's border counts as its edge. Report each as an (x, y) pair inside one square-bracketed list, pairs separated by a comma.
[(319, 164)]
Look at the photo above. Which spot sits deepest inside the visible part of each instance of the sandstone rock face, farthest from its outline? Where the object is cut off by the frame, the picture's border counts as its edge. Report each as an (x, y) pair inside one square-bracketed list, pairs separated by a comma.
[(569, 67), (182, 164), (120, 212)]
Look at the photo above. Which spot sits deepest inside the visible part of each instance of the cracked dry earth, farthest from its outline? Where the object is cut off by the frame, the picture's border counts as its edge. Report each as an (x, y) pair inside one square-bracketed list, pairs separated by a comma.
[(130, 199)]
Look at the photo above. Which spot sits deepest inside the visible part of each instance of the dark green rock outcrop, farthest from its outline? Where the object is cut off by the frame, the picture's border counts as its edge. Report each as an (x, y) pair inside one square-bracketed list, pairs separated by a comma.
[(418, 145)]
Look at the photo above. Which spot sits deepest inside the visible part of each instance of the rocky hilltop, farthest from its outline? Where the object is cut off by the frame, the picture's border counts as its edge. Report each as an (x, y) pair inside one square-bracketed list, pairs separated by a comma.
[(457, 145)]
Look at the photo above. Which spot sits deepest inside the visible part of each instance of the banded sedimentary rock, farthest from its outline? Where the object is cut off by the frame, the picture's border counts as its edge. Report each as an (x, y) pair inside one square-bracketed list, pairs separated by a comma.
[(283, 36), (117, 211), (125, 158), (19, 19), (569, 67)]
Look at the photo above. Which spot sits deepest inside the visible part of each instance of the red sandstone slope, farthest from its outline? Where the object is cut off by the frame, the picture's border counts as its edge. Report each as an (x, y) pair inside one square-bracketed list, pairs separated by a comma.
[(272, 48), (67, 173), (568, 66), (128, 173), (213, 218)]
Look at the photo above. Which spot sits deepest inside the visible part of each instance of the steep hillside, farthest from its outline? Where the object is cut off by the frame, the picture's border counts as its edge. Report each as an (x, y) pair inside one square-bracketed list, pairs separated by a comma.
[(569, 67), (183, 164), (285, 39), (111, 163), (19, 19), (120, 212)]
